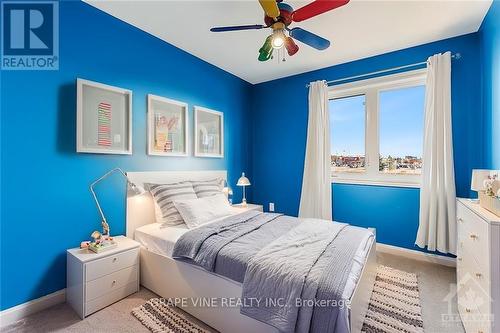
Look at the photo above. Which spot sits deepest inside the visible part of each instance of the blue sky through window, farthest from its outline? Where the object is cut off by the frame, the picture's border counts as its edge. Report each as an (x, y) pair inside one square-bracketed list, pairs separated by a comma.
[(347, 126), (400, 123)]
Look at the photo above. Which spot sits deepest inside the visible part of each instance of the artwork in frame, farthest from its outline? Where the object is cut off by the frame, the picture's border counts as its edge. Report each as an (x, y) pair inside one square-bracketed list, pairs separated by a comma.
[(104, 119), (167, 127), (209, 132)]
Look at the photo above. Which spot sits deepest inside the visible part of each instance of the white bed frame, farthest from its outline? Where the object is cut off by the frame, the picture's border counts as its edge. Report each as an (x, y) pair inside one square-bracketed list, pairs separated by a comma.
[(183, 282)]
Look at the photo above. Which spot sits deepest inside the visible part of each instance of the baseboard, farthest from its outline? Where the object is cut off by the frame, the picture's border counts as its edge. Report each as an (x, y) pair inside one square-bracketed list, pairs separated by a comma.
[(15, 313), (417, 255)]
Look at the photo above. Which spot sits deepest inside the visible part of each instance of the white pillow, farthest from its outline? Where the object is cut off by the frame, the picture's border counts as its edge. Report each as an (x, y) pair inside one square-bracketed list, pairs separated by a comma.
[(196, 212)]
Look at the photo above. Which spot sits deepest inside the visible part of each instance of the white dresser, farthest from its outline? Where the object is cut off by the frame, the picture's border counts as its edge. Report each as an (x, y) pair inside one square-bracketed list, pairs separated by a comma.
[(96, 280), (478, 267)]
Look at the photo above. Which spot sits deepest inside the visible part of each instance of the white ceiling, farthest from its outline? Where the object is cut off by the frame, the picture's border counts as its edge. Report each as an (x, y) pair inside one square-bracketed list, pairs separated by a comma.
[(357, 30)]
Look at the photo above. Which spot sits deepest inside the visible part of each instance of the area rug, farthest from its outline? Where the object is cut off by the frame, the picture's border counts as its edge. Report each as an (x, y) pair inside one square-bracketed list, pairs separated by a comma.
[(394, 304), (160, 317)]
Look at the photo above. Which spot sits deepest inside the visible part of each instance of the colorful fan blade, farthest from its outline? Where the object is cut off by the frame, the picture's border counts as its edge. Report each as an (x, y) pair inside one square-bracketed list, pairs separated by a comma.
[(316, 7), (238, 27), (309, 38), (270, 8)]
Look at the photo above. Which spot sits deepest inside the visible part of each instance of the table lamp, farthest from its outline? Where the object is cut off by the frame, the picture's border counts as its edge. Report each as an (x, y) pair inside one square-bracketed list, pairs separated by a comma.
[(243, 181), (478, 178), (135, 190)]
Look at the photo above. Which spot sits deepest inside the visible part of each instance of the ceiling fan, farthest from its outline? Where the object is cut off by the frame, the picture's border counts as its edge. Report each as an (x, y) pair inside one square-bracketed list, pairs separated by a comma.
[(278, 16)]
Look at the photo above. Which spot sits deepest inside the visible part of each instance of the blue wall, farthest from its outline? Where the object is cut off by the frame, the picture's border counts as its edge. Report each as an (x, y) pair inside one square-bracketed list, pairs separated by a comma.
[(279, 117), (490, 51), (46, 204)]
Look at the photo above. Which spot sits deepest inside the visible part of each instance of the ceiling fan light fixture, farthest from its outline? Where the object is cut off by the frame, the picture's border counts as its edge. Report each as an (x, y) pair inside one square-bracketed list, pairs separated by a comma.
[(278, 39)]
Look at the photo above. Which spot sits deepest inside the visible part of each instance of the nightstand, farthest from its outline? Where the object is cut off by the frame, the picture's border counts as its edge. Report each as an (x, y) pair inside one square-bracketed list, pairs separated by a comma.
[(258, 208), (96, 280)]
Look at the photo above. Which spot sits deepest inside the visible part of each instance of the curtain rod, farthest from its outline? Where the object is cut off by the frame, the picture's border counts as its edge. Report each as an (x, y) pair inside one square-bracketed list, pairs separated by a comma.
[(454, 56)]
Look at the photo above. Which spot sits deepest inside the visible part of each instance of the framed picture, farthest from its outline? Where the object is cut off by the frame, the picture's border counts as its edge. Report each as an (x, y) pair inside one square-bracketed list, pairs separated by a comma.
[(209, 132), (167, 127), (104, 119)]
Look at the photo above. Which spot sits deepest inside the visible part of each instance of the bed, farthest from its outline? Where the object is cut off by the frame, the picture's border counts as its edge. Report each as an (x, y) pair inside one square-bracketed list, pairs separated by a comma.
[(180, 281)]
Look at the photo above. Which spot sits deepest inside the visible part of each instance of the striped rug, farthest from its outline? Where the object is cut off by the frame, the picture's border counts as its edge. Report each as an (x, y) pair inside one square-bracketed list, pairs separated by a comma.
[(160, 317), (394, 304)]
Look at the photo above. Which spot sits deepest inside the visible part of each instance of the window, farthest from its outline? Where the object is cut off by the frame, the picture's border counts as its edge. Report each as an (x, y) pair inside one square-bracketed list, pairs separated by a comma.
[(376, 130), (347, 116)]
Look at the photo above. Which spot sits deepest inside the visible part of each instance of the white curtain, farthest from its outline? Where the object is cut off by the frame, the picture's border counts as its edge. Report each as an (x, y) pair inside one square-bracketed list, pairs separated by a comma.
[(437, 225), (316, 197)]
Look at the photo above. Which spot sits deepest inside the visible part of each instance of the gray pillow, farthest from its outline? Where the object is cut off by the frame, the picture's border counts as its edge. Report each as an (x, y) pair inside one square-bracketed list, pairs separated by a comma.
[(164, 196), (207, 188)]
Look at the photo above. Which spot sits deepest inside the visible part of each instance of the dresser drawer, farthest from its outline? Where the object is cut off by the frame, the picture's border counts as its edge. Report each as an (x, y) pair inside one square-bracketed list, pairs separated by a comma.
[(471, 305), (473, 236), (473, 278), (111, 282), (105, 266), (109, 298)]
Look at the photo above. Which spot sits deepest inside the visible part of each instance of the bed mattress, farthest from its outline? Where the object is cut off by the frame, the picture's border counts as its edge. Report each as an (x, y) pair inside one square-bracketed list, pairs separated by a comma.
[(161, 240)]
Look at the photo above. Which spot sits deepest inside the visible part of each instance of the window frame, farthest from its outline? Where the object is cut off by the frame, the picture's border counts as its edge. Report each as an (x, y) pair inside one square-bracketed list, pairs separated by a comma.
[(371, 89)]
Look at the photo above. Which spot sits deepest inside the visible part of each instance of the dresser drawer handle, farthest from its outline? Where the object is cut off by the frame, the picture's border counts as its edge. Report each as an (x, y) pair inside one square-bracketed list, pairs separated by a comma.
[(460, 220), (114, 259), (479, 275), (473, 237), (113, 282), (467, 310)]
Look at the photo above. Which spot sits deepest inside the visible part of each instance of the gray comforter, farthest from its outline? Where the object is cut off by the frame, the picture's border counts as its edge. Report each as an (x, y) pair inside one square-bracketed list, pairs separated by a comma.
[(293, 271)]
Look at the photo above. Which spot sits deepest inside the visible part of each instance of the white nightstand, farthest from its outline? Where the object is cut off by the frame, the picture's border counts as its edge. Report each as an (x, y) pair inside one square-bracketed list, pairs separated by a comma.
[(96, 280), (258, 208)]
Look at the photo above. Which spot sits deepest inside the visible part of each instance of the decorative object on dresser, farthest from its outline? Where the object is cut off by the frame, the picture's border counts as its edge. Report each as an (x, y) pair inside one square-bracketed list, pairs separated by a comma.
[(103, 241), (95, 281), (208, 132), (487, 185), (167, 127), (104, 119), (244, 182), (478, 267)]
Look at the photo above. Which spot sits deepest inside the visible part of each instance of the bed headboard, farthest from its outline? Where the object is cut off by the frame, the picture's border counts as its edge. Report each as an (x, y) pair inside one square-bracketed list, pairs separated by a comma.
[(140, 209)]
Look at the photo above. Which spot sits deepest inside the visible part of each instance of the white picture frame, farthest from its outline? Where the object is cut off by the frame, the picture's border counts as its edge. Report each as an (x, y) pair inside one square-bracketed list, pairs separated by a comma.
[(104, 118), (208, 133), (174, 140)]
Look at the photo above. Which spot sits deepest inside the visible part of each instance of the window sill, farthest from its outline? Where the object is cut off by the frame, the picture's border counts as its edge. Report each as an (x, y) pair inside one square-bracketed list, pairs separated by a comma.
[(386, 183)]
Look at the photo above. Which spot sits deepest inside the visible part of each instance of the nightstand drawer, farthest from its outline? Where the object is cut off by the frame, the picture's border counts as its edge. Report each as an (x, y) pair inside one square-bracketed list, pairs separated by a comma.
[(109, 298), (103, 285), (97, 268)]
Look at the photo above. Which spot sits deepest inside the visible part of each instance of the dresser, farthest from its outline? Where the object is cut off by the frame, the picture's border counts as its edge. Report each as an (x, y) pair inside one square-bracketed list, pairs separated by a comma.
[(478, 267), (96, 280)]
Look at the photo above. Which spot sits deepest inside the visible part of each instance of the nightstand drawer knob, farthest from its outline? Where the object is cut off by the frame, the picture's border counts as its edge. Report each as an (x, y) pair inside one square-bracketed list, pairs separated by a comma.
[(474, 237), (460, 220), (478, 275), (467, 310), (114, 259), (114, 282)]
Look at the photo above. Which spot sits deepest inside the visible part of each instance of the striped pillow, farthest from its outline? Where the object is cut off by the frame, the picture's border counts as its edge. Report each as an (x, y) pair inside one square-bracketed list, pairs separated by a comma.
[(207, 188), (164, 195)]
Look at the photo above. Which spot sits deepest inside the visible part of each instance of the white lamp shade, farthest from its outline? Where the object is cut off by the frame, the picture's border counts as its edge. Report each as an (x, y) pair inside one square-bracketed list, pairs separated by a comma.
[(243, 181), (478, 178)]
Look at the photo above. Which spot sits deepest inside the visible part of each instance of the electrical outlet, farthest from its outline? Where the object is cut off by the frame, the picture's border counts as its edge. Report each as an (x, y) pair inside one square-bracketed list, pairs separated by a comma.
[(271, 206)]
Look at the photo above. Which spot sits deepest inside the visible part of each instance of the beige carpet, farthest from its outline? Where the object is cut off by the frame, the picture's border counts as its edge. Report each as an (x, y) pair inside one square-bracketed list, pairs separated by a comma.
[(434, 283)]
